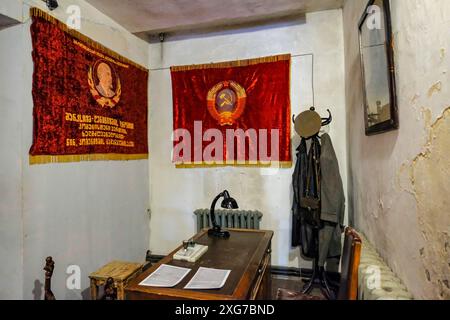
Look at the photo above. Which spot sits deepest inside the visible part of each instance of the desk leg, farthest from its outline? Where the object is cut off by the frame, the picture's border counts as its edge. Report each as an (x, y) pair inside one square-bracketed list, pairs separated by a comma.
[(120, 291), (94, 290)]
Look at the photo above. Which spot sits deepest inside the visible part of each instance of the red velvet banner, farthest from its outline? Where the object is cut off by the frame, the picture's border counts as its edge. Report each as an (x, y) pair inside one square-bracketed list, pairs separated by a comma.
[(89, 102), (232, 113)]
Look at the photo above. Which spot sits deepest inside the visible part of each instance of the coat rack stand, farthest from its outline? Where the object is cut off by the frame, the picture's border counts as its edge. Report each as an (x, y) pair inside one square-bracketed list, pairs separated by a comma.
[(319, 276)]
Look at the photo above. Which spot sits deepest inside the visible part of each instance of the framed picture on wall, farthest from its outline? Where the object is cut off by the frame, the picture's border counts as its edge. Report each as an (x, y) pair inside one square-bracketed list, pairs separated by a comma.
[(378, 69)]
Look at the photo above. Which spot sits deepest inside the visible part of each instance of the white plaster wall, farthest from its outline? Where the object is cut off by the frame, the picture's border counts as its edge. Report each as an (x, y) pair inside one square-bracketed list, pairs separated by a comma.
[(11, 228), (11, 9), (85, 214), (399, 180), (176, 193)]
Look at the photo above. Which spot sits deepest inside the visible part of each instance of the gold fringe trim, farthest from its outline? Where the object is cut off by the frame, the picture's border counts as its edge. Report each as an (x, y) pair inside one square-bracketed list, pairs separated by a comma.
[(229, 64), (86, 157), (36, 12), (280, 164)]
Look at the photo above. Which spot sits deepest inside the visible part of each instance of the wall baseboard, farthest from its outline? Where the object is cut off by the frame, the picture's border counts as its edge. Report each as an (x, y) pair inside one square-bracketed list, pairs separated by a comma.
[(305, 273), (154, 258), (290, 271)]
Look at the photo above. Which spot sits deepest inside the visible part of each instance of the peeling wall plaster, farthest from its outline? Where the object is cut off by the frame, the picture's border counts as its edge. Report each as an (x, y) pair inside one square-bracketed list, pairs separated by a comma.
[(399, 181), (435, 88), (426, 178), (430, 172)]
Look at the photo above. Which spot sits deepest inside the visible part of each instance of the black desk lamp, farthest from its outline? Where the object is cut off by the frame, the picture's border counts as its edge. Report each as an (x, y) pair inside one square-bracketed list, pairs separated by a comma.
[(227, 203)]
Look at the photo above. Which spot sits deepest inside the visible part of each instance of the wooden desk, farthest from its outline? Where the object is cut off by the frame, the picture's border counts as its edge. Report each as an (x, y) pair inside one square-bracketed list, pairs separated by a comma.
[(246, 253)]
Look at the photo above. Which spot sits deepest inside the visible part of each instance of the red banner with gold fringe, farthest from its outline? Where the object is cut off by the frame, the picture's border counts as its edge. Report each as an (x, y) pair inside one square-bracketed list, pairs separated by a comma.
[(90, 103), (232, 113)]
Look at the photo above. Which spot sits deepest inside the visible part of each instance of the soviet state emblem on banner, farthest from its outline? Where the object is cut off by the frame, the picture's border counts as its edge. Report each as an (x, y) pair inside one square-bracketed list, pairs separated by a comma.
[(226, 102)]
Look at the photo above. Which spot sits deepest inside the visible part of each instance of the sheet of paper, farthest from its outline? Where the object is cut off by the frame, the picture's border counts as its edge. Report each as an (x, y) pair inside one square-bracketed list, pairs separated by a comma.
[(165, 276), (207, 278)]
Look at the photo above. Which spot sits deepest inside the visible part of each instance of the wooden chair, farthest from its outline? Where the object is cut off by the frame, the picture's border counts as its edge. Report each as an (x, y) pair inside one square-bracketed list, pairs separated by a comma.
[(348, 289)]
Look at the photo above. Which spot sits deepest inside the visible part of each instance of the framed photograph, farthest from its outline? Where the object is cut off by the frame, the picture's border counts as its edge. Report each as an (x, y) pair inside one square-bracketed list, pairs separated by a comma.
[(378, 69)]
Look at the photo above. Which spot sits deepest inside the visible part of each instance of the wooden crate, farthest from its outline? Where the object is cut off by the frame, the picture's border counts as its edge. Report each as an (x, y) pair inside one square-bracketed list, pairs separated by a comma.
[(122, 273)]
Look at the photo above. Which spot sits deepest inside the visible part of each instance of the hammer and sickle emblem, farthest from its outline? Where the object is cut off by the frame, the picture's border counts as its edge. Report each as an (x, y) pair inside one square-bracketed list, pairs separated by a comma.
[(226, 94), (226, 100)]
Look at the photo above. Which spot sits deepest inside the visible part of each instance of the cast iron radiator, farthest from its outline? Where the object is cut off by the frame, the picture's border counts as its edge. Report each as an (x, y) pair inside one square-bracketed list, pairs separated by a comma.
[(236, 219)]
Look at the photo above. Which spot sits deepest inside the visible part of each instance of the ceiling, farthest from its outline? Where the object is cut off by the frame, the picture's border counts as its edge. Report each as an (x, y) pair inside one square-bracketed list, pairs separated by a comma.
[(157, 16)]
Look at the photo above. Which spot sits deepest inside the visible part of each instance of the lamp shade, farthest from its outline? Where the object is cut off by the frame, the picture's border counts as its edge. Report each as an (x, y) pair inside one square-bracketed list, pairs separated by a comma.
[(229, 203)]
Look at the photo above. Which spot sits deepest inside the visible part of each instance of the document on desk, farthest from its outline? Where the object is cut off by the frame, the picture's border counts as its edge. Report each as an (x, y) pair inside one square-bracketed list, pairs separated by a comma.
[(207, 278), (165, 276)]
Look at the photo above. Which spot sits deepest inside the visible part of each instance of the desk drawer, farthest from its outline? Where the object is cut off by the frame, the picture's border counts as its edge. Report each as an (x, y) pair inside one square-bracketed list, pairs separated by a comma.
[(261, 289)]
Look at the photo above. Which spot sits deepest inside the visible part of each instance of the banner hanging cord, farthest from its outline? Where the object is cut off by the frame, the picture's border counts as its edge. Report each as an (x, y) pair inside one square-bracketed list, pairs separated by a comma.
[(292, 56)]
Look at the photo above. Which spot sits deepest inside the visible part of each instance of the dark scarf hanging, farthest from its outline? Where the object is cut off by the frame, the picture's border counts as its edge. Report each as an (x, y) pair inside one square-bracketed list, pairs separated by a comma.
[(306, 204)]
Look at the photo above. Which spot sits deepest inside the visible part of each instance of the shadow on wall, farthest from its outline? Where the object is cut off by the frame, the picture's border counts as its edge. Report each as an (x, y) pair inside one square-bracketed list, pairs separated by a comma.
[(211, 31), (86, 294), (379, 147), (78, 294), (37, 290), (373, 157)]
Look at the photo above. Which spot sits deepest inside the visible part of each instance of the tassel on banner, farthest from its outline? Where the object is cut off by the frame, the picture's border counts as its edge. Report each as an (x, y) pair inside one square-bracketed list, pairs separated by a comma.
[(230, 64), (272, 165), (85, 157)]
